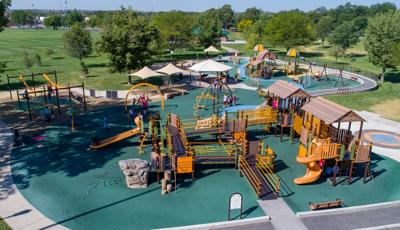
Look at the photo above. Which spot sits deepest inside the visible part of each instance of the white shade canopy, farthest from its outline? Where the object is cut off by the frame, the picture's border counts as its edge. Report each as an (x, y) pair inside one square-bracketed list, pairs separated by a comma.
[(170, 69), (210, 66), (212, 49), (146, 72)]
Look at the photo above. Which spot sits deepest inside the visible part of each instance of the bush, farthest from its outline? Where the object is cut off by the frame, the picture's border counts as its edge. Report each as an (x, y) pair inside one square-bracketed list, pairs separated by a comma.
[(37, 60), (49, 51), (3, 66), (27, 60)]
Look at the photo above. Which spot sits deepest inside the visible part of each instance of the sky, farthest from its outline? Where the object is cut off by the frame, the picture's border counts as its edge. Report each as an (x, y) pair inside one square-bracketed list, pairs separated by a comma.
[(187, 5)]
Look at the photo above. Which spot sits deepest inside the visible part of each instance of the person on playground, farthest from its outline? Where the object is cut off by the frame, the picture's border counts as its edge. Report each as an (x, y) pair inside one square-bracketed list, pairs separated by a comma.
[(17, 138), (234, 99), (225, 100), (133, 102), (47, 114), (49, 91), (130, 114), (105, 122)]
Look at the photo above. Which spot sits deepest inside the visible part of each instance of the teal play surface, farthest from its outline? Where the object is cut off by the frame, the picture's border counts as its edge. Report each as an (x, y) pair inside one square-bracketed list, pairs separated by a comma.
[(325, 83), (86, 190)]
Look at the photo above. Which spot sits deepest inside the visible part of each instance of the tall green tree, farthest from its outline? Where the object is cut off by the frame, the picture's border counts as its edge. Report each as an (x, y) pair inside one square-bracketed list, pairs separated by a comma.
[(324, 27), (73, 17), (78, 44), (244, 24), (208, 28), (226, 15), (54, 21), (382, 38), (289, 29), (22, 17), (255, 34), (345, 35), (252, 14), (175, 29), (4, 5), (129, 40)]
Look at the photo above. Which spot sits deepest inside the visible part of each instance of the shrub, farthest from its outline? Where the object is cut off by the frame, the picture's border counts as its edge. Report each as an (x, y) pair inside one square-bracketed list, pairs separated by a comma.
[(37, 60), (49, 51), (27, 60)]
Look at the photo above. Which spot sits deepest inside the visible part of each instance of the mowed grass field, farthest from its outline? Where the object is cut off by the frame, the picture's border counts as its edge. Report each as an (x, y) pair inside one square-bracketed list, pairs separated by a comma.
[(15, 41)]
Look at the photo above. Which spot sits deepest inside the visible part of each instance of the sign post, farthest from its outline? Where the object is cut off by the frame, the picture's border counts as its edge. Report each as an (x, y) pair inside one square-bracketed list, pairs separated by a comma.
[(235, 202)]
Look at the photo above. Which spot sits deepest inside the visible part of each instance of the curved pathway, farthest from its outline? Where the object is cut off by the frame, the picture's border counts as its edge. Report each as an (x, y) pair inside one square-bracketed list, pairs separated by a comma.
[(14, 209)]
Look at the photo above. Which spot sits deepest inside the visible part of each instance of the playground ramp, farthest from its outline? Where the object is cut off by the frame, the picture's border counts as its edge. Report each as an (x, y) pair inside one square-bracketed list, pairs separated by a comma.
[(116, 138), (255, 177)]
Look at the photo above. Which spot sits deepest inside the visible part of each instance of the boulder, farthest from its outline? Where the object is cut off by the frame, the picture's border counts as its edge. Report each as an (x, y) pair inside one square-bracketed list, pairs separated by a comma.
[(136, 172)]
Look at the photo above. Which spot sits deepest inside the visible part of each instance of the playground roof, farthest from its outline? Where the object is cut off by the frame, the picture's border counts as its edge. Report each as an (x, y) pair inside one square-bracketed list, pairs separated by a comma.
[(258, 47), (284, 89), (145, 72), (292, 53), (210, 66), (330, 112), (170, 69), (262, 55), (212, 49)]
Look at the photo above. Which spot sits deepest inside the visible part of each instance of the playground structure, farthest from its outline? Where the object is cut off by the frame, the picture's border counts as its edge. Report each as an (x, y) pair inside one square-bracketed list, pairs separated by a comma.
[(132, 89), (211, 98), (258, 68), (292, 62), (174, 151), (34, 91), (322, 140), (285, 99)]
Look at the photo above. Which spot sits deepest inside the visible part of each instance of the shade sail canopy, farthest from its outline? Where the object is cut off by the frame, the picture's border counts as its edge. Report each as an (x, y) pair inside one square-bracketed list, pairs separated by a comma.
[(212, 49), (284, 89), (170, 69), (146, 72), (210, 66), (330, 112)]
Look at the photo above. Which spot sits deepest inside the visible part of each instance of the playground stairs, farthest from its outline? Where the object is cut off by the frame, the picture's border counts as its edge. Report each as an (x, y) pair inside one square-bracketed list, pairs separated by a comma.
[(257, 180)]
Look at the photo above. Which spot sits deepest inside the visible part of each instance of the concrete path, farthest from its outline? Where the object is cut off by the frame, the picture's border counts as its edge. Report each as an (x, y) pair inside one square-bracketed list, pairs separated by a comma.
[(282, 217), (366, 216), (14, 209)]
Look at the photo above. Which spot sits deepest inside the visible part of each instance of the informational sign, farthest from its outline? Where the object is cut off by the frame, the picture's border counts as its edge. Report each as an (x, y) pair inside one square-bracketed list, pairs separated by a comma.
[(235, 202)]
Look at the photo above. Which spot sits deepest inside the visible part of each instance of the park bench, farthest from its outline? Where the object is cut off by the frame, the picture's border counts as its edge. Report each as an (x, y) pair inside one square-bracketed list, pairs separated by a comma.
[(326, 205)]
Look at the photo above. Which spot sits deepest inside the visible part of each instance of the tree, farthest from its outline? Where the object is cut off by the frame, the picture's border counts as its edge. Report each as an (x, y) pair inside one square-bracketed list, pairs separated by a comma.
[(345, 35), (4, 5), (226, 15), (54, 21), (175, 28), (336, 52), (382, 38), (129, 40), (289, 29), (22, 17), (324, 27), (94, 21), (208, 28), (244, 24), (255, 34), (252, 14), (78, 44), (73, 17)]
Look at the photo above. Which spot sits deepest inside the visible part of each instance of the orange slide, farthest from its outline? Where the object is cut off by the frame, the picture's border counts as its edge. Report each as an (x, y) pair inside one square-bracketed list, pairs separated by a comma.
[(313, 170), (114, 139)]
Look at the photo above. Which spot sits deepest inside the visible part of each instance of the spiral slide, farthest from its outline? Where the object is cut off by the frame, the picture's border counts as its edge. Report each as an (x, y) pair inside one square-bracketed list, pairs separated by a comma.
[(313, 170)]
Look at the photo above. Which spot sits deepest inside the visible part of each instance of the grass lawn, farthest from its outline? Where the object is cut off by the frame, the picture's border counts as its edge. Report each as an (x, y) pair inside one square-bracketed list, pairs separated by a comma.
[(15, 41), (380, 101), (4, 225)]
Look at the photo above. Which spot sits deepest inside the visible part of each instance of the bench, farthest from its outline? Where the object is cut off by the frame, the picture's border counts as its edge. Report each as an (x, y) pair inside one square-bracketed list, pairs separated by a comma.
[(353, 78), (326, 205)]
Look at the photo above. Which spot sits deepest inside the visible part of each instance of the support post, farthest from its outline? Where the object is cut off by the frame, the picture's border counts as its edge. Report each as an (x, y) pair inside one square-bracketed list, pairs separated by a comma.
[(19, 101), (55, 76), (9, 87), (360, 131), (29, 106), (58, 102), (33, 83), (45, 94), (84, 97)]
